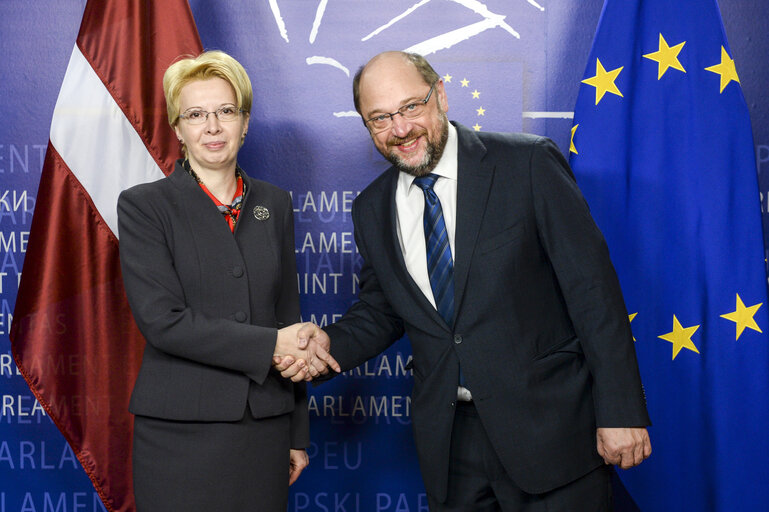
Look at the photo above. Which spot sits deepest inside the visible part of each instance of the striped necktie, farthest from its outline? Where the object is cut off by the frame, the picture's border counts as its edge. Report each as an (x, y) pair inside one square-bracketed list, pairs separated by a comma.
[(440, 266)]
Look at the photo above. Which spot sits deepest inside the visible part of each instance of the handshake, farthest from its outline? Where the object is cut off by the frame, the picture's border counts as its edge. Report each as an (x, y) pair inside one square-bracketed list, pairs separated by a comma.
[(302, 352)]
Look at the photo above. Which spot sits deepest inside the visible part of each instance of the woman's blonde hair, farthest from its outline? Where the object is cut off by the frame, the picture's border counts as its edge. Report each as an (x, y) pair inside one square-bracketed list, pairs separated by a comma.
[(209, 64)]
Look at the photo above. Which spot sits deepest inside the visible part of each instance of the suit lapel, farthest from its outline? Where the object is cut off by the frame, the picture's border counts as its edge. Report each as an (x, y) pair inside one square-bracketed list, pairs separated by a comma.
[(387, 214), (204, 217), (474, 178), (248, 230)]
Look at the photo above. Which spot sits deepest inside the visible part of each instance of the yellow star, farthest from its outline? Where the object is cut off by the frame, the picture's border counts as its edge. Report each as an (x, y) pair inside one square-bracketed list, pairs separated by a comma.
[(476, 94), (630, 317), (680, 337), (603, 81), (726, 69), (465, 82), (447, 78), (477, 127), (481, 111), (572, 147), (743, 317), (666, 57)]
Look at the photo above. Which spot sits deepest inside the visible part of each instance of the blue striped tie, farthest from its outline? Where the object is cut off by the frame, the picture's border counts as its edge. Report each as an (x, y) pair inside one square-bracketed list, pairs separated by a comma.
[(440, 266)]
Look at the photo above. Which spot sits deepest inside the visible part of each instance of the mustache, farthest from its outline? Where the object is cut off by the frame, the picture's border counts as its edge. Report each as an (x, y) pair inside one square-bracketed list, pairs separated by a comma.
[(397, 141)]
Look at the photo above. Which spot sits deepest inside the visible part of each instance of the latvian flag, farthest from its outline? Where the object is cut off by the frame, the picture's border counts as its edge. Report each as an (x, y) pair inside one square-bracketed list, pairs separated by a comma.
[(73, 336)]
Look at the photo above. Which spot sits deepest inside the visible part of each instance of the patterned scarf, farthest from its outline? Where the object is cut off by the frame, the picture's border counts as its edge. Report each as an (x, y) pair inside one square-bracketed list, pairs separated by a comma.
[(231, 211)]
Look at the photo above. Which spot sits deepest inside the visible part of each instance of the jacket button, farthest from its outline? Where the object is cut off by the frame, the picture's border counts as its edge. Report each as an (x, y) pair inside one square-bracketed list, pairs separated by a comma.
[(237, 271), (240, 316), (457, 339)]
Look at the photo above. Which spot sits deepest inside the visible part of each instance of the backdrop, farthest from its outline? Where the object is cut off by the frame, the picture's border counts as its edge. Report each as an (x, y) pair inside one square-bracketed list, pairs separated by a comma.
[(508, 65)]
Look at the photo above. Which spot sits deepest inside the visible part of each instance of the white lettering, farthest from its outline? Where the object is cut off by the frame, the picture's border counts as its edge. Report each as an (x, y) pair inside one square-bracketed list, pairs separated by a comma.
[(318, 283), (382, 366), (361, 406)]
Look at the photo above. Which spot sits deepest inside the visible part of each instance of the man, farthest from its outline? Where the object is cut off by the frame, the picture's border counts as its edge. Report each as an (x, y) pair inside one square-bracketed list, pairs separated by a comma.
[(480, 247)]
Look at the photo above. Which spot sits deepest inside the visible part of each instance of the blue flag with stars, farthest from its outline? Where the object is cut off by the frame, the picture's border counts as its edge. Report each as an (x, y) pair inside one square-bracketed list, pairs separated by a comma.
[(663, 150)]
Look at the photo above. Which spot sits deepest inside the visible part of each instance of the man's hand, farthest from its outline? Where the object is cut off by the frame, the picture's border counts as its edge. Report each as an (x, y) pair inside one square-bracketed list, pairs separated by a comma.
[(302, 352), (625, 447), (298, 460)]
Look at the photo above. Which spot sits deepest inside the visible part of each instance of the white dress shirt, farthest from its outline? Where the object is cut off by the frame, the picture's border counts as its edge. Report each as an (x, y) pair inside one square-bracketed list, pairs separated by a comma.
[(410, 206)]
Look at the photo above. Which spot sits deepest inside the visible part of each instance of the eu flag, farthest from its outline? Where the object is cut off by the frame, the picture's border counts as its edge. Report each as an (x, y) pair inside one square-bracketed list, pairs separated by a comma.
[(663, 150)]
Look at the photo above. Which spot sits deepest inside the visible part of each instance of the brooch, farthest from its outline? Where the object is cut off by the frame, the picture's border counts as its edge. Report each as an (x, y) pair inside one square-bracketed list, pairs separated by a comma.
[(261, 213)]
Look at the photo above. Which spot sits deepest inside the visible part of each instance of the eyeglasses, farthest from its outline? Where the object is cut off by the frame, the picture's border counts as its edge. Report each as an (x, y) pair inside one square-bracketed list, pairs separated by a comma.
[(411, 111), (199, 116)]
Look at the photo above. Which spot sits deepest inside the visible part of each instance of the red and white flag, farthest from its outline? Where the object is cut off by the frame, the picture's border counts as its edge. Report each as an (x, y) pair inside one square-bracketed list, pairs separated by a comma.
[(73, 336)]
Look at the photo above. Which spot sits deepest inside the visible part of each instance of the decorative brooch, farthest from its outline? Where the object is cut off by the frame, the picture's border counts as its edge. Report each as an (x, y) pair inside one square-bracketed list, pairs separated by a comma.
[(261, 213)]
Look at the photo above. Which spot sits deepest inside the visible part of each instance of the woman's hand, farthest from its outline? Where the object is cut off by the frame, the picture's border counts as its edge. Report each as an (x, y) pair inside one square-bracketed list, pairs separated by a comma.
[(298, 460)]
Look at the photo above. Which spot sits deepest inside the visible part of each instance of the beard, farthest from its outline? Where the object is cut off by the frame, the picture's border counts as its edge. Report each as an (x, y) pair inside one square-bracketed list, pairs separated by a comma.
[(433, 150)]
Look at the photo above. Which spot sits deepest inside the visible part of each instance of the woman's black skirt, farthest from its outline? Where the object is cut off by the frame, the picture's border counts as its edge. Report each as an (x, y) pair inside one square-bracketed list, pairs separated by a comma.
[(211, 466)]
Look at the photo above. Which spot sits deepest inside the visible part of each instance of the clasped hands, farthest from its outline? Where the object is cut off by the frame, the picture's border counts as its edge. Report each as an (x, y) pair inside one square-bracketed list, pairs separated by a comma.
[(302, 352)]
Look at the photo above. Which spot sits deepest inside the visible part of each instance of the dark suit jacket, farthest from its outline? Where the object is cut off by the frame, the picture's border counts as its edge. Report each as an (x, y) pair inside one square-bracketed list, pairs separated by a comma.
[(540, 327), (208, 302)]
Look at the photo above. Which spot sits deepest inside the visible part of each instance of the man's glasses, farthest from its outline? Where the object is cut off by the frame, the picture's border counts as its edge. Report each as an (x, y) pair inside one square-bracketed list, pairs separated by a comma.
[(199, 116), (411, 111)]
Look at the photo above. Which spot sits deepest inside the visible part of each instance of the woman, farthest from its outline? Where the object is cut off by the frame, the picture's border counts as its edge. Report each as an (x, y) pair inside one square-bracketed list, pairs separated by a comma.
[(208, 262)]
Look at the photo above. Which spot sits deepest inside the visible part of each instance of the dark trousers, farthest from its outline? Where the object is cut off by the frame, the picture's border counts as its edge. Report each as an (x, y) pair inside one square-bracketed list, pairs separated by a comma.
[(479, 483)]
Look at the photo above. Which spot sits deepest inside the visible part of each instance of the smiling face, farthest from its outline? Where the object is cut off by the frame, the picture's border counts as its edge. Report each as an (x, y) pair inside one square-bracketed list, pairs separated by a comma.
[(413, 145), (213, 145)]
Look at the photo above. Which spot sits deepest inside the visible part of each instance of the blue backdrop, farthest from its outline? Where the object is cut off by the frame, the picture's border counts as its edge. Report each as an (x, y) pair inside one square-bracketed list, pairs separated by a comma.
[(513, 65)]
